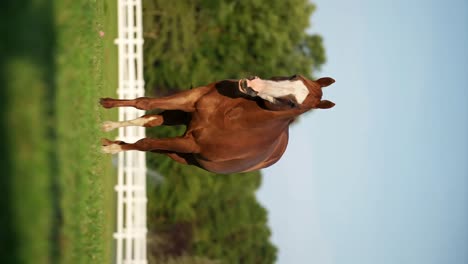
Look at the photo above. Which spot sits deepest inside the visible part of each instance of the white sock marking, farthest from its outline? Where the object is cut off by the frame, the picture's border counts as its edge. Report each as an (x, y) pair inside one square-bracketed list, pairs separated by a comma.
[(110, 125), (111, 149)]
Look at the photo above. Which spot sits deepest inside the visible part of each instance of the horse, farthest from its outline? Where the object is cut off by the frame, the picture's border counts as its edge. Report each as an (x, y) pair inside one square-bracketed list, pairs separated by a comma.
[(231, 125)]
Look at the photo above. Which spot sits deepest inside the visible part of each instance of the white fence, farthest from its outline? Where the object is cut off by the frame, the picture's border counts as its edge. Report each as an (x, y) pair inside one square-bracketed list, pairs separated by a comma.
[(131, 186)]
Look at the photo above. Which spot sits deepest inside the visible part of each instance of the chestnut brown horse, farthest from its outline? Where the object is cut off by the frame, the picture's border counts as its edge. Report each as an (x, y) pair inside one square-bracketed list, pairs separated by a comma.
[(232, 125)]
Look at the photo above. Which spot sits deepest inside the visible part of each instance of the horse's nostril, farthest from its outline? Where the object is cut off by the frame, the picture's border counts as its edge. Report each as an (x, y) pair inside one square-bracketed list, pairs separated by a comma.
[(243, 85), (251, 92)]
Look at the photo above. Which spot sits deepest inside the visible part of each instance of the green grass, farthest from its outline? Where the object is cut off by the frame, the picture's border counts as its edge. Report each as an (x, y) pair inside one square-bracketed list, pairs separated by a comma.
[(86, 70), (57, 189)]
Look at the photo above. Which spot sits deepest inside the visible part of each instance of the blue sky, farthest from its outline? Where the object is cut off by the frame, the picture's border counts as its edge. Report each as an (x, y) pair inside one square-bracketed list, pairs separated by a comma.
[(383, 176)]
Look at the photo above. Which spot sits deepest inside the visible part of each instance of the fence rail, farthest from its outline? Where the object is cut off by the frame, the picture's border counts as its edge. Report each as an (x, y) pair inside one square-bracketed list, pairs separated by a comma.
[(131, 228)]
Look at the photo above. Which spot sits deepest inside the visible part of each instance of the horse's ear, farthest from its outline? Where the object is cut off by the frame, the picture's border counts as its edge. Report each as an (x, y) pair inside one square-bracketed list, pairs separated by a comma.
[(325, 104), (326, 81)]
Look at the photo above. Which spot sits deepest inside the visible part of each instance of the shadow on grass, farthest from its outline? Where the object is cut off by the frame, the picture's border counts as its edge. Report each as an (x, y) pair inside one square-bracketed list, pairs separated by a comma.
[(27, 30)]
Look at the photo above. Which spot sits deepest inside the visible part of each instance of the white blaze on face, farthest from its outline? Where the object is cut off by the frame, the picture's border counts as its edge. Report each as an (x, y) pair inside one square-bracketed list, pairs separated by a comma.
[(269, 90)]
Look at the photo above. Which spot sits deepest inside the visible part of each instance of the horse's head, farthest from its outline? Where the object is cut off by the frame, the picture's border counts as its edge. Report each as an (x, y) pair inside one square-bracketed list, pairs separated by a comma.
[(281, 93), (314, 100)]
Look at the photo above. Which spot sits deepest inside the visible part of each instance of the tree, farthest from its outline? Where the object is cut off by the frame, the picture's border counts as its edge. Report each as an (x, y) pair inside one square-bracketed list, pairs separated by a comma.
[(191, 43)]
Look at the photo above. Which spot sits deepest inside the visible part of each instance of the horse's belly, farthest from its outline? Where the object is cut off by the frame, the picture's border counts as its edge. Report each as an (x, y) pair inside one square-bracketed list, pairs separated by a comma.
[(240, 153), (227, 166), (228, 149)]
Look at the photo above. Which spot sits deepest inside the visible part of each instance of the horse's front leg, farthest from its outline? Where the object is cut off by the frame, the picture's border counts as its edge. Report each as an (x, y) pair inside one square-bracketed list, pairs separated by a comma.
[(166, 118), (184, 144), (184, 101)]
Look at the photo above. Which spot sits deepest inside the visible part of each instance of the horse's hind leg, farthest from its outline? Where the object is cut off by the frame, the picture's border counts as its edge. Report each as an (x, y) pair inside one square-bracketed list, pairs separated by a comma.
[(166, 118), (184, 101)]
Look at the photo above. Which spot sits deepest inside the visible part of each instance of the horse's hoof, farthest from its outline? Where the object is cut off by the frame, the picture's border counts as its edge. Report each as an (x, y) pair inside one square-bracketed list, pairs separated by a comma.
[(106, 102), (111, 149), (106, 142), (108, 126)]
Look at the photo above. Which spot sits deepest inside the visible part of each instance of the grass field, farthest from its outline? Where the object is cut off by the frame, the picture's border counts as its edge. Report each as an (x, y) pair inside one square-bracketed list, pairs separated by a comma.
[(57, 189)]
